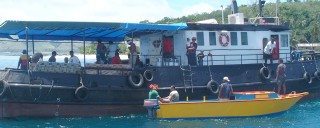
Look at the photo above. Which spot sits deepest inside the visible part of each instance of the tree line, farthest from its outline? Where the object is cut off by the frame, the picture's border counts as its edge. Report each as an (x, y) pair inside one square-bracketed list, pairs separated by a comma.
[(302, 17)]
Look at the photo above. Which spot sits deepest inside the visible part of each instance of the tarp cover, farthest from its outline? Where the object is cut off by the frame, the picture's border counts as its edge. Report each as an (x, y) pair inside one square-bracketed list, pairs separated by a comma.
[(88, 31)]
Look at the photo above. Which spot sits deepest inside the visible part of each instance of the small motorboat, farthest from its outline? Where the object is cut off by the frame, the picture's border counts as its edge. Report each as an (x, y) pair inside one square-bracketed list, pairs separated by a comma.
[(241, 104)]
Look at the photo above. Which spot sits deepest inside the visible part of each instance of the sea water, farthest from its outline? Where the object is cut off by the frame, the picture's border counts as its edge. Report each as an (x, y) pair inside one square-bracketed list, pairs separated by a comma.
[(305, 114)]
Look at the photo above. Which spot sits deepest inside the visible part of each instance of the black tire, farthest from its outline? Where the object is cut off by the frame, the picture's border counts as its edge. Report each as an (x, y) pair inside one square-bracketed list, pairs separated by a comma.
[(81, 93), (307, 77), (265, 73), (3, 87), (135, 80), (317, 75), (213, 86), (148, 75)]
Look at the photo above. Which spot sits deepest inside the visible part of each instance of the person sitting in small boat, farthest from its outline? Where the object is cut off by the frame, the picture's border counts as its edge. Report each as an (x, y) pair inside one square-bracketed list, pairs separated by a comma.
[(173, 96), (153, 93), (73, 58), (225, 89), (53, 57)]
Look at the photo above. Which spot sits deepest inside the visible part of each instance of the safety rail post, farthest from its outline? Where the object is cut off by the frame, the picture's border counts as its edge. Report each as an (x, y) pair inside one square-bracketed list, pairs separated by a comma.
[(224, 59), (257, 58), (241, 58)]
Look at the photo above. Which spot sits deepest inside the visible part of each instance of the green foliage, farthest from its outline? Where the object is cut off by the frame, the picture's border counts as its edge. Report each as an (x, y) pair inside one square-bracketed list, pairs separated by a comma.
[(302, 17)]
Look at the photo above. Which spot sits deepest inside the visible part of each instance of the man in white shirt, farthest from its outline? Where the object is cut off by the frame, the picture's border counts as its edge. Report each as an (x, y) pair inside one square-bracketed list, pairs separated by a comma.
[(112, 49), (173, 96), (268, 50), (73, 58)]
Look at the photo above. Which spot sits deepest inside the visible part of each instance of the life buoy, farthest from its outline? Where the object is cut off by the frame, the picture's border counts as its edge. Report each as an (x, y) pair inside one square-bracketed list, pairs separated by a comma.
[(148, 75), (265, 73), (213, 86), (81, 93), (307, 77), (317, 75), (224, 43), (3, 87), (135, 79)]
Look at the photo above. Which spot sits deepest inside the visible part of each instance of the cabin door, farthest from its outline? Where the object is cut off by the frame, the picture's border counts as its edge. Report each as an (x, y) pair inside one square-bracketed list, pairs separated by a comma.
[(168, 47), (275, 54)]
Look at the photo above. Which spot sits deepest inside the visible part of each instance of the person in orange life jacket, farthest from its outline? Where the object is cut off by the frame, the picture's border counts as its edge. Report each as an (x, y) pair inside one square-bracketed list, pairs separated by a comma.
[(191, 52), (24, 60), (116, 59)]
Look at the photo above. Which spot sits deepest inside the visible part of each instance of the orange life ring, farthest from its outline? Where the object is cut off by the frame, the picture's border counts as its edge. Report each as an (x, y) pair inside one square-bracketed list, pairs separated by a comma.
[(222, 42)]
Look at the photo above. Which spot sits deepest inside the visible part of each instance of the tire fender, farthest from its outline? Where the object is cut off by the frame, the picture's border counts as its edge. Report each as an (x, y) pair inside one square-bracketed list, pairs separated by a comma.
[(133, 76), (148, 75), (81, 93), (307, 77), (317, 75), (3, 87), (265, 73), (213, 86)]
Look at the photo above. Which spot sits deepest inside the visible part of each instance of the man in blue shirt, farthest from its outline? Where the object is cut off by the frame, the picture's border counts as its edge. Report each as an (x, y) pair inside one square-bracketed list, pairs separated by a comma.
[(53, 57)]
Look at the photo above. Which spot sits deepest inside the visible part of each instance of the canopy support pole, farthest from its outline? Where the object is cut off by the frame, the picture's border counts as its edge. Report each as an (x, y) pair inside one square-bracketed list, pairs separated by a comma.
[(32, 45), (71, 44), (27, 45), (84, 49)]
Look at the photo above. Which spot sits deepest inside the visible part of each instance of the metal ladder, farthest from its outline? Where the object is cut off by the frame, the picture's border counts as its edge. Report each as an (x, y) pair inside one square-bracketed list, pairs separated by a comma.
[(187, 78)]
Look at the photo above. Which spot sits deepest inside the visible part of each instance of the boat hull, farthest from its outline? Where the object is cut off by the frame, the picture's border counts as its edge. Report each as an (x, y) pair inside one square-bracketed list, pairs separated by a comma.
[(236, 108), (8, 110)]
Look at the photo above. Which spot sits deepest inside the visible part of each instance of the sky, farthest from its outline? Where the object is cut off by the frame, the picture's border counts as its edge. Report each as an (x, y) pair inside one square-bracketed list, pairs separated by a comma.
[(131, 11)]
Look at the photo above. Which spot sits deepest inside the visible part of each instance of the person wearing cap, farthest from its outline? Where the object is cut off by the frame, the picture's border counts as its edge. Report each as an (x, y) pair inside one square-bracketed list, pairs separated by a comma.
[(133, 52), (24, 60), (191, 52), (173, 96), (153, 93), (225, 89), (73, 58), (53, 57), (101, 52), (112, 50)]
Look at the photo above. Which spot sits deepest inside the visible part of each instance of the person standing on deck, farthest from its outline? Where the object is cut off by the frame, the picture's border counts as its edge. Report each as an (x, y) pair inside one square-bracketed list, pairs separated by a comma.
[(73, 58), (133, 52), (225, 89), (268, 50), (53, 57), (191, 52), (281, 76), (112, 49), (24, 60), (200, 58), (101, 52)]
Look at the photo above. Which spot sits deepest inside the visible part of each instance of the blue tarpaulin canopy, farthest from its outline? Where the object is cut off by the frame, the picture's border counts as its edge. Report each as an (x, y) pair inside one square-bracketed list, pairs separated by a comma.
[(88, 31)]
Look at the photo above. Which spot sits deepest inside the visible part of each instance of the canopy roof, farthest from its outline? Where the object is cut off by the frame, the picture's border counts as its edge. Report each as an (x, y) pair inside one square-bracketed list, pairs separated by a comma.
[(89, 31)]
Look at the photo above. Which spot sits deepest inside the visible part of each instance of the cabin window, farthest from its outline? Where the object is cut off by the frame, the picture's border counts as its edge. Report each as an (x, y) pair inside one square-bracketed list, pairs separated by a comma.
[(244, 38), (212, 38), (234, 38), (284, 41), (200, 39)]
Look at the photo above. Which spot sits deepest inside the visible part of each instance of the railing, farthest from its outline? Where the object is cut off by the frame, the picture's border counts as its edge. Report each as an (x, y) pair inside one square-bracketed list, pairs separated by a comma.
[(159, 60)]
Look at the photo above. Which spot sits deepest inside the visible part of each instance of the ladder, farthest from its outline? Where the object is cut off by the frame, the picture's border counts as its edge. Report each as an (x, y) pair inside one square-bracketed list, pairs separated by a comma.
[(187, 78)]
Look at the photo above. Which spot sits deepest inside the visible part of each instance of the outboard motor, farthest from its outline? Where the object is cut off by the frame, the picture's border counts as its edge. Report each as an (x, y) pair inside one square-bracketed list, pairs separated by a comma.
[(152, 105)]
